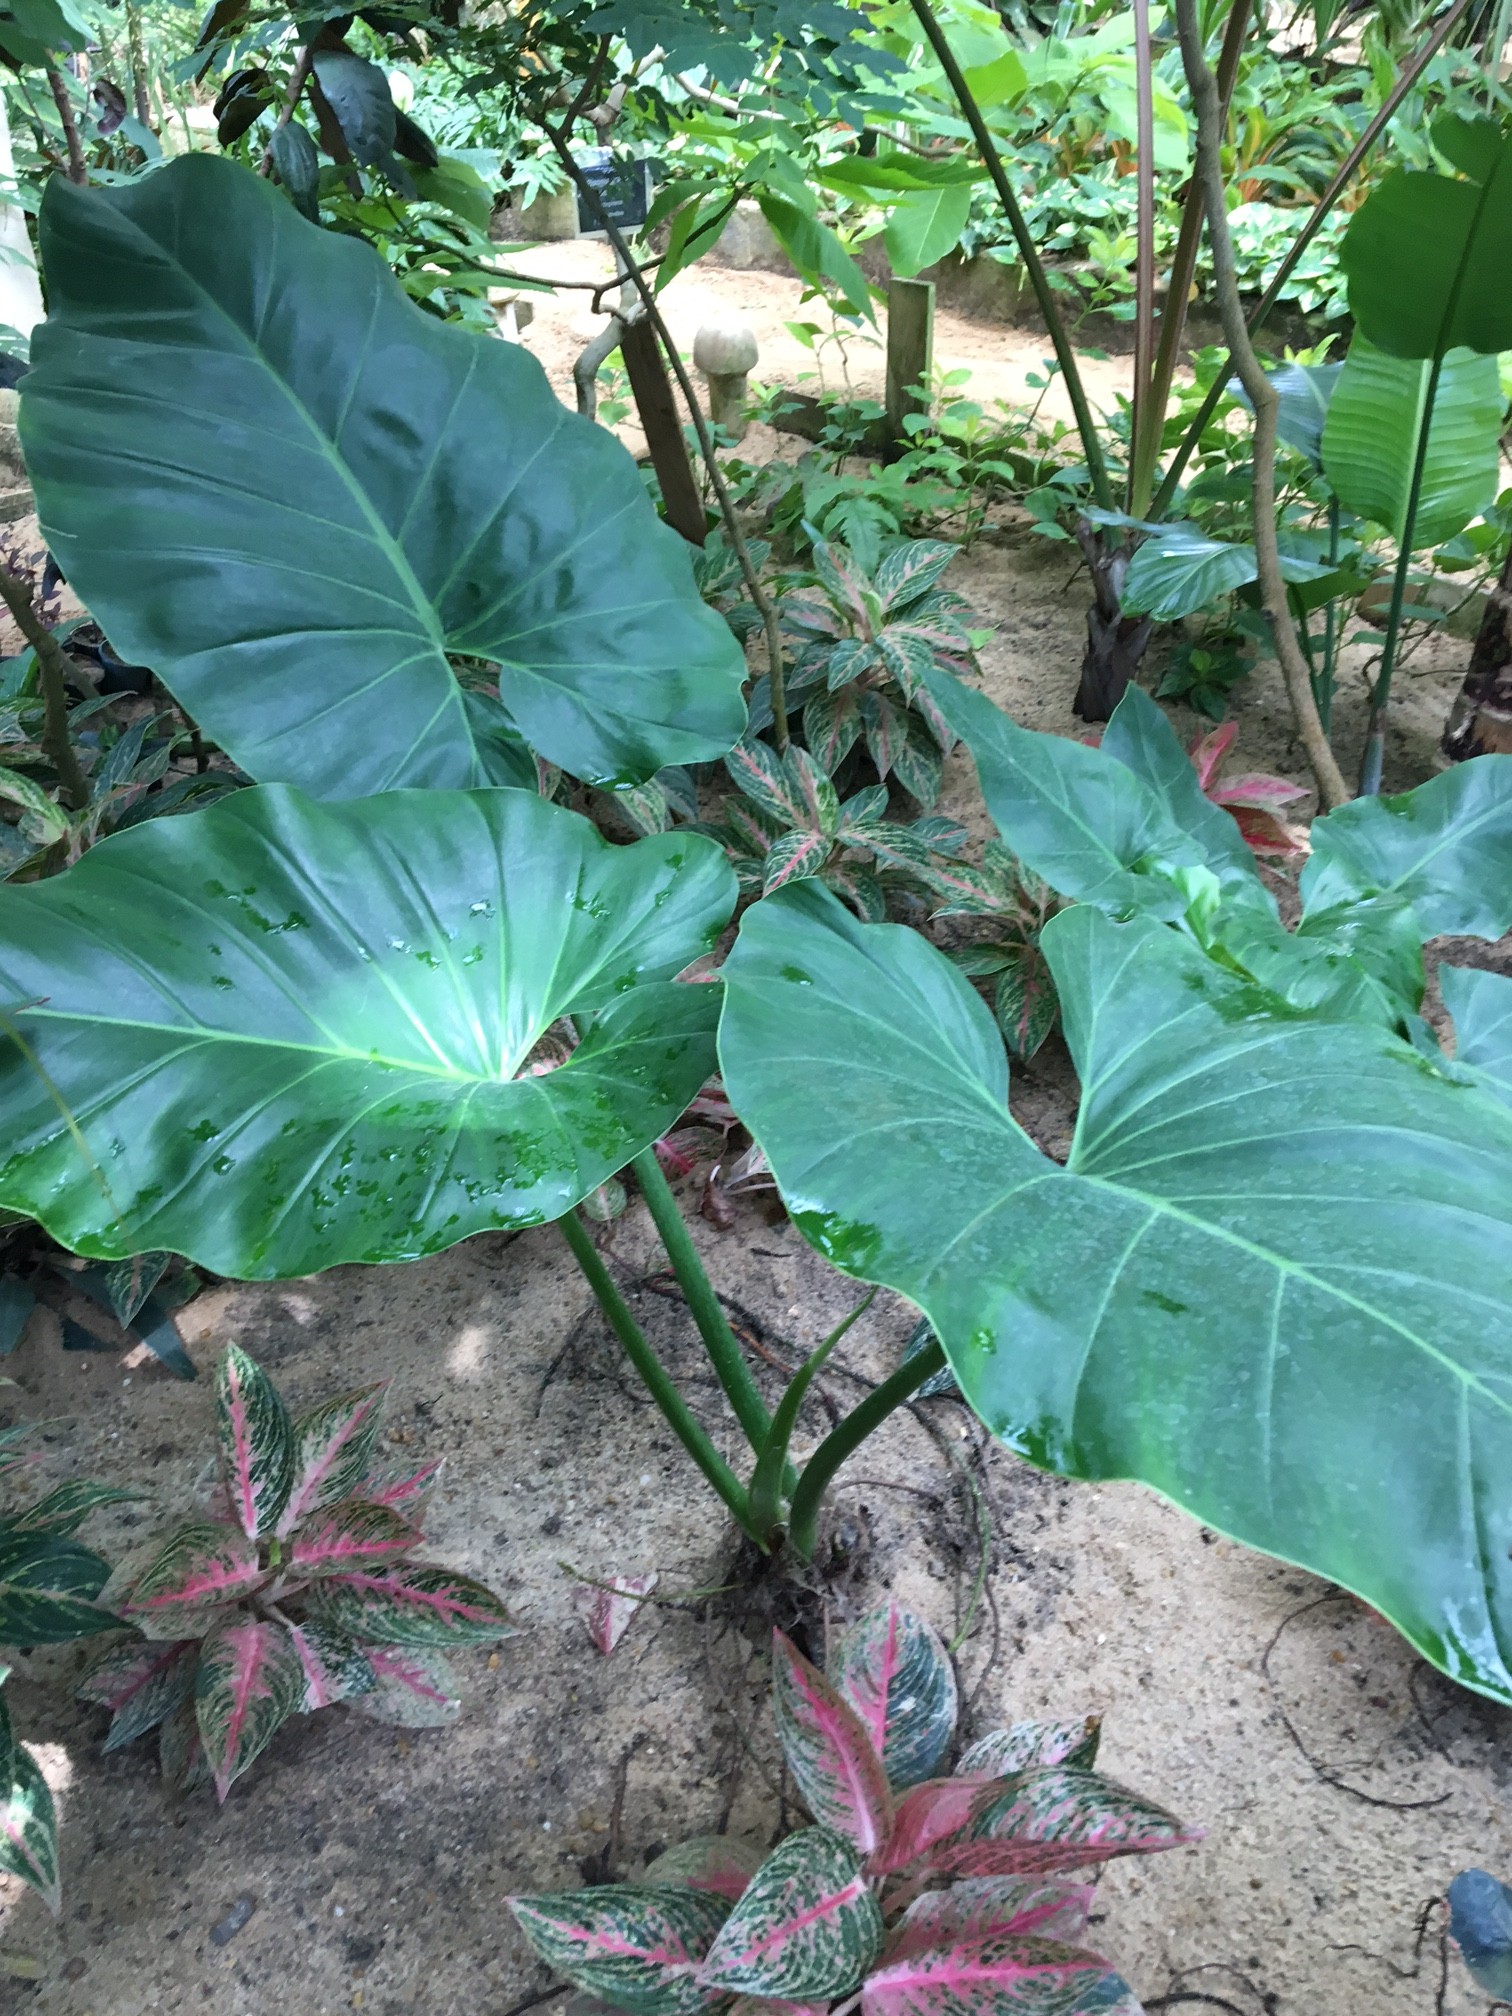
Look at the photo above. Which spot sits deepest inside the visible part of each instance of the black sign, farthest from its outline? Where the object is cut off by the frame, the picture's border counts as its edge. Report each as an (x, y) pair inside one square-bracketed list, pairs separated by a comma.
[(622, 185)]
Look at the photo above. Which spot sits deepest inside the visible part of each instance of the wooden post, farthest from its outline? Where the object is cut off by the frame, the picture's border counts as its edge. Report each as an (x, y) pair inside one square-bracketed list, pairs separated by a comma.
[(910, 352), (651, 383)]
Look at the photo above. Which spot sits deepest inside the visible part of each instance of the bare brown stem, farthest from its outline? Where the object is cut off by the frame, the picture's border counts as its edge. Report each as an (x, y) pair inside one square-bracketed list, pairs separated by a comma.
[(78, 167), (51, 674), (297, 84), (764, 604), (1263, 397)]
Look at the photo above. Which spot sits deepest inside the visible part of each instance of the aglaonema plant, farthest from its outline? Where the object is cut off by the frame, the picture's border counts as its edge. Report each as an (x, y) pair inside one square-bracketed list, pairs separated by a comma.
[(914, 1888), (295, 1589)]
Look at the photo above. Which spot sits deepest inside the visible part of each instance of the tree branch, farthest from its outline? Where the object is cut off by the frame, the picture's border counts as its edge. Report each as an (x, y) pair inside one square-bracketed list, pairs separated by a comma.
[(51, 674), (1263, 396), (297, 84), (78, 167)]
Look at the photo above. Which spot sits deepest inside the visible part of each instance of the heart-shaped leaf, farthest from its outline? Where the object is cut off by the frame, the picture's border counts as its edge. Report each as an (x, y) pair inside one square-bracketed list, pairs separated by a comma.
[(295, 496), (411, 1605), (807, 1927), (411, 1689), (141, 1684), (1273, 1278), (48, 1589), (894, 1671), (837, 1770), (256, 1442), (334, 1666), (249, 1683), (333, 1446), (348, 1536), (199, 1567), (723, 1863), (1002, 1753), (1481, 1005), (1057, 1818), (639, 1945), (328, 1055)]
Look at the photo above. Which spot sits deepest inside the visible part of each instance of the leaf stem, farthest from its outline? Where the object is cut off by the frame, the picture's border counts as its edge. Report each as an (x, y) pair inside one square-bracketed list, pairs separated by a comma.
[(1373, 760), (51, 675), (297, 83), (725, 1354), (675, 1409), (772, 1467), (847, 1436), (1044, 294)]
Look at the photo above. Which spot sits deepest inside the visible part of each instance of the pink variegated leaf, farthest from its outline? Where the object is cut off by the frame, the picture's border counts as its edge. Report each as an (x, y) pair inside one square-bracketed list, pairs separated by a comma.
[(807, 1927), (723, 1863), (894, 1671), (1025, 1001), (353, 1535), (810, 619), (761, 775), (199, 1567), (771, 2005), (793, 858), (816, 794), (249, 1683), (638, 1945), (926, 706), (29, 1827), (1255, 788), (181, 1754), (610, 1608), (335, 1668), (1028, 1746), (1057, 1818), (838, 1774), (831, 723), (256, 1442), (928, 1814), (410, 1604), (411, 1689), (886, 729), (407, 1492), (1209, 751), (918, 765), (1272, 838), (911, 570), (844, 582), (754, 831), (333, 1446), (141, 1684), (991, 1904), (858, 887), (991, 1975)]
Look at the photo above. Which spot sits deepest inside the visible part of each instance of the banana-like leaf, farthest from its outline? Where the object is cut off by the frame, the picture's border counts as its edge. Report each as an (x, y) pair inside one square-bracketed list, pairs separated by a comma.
[(414, 1604), (639, 1945), (1481, 1005), (1371, 439), (1444, 848), (978, 1975), (412, 1689), (1053, 1819), (985, 1904), (894, 1671), (249, 1683), (1426, 255), (333, 1446), (830, 1753), (722, 1863), (334, 1666), (353, 1535), (29, 1827), (141, 1685), (1273, 1279), (295, 495), (256, 1441), (807, 1927), (1025, 1746), (197, 1569), (287, 1034), (48, 1589)]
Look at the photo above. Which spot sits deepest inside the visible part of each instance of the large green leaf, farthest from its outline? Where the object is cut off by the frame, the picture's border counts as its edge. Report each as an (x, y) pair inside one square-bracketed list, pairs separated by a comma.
[(276, 1035), (1481, 1004), (1427, 255), (1444, 848), (1371, 437), (1179, 569), (1274, 1279), (293, 493), (924, 224)]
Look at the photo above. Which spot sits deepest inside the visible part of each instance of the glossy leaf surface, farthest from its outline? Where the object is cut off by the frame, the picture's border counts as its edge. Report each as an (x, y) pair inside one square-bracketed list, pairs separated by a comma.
[(197, 1568), (256, 1441), (293, 493), (334, 1666), (1481, 1004), (991, 1973), (328, 1056), (983, 1904), (894, 1671), (353, 1535), (1002, 1753), (829, 1751), (1056, 1818), (414, 1605), (639, 1945), (48, 1587), (807, 1927), (722, 1863), (249, 1683), (333, 1446), (1273, 1279)]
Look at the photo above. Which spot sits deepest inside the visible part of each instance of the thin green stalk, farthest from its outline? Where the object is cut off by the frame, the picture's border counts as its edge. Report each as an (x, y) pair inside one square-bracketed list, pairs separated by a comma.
[(772, 1467), (1144, 420), (674, 1408), (1373, 760), (1408, 78), (1044, 294), (1330, 626), (847, 1436), (725, 1354)]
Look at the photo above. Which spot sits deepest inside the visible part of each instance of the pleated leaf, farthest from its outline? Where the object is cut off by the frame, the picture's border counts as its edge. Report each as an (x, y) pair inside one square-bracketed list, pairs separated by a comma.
[(329, 1054), (722, 1863), (140, 1684), (1370, 442), (200, 1567), (411, 1689), (413, 1605), (294, 494), (638, 1945), (830, 1753), (353, 1535), (256, 1442), (894, 1671), (333, 1446), (250, 1681), (807, 1926)]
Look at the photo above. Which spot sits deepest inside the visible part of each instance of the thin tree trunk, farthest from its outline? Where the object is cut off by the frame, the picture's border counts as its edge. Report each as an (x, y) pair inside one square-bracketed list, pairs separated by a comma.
[(78, 167), (1480, 722), (138, 61)]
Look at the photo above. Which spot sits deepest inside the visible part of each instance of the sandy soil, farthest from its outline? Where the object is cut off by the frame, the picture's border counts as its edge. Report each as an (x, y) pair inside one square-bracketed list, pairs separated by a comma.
[(1341, 1782)]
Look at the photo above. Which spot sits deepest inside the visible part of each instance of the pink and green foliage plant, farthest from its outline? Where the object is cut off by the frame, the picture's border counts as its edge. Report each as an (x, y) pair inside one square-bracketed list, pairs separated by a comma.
[(917, 1890), (295, 1589)]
